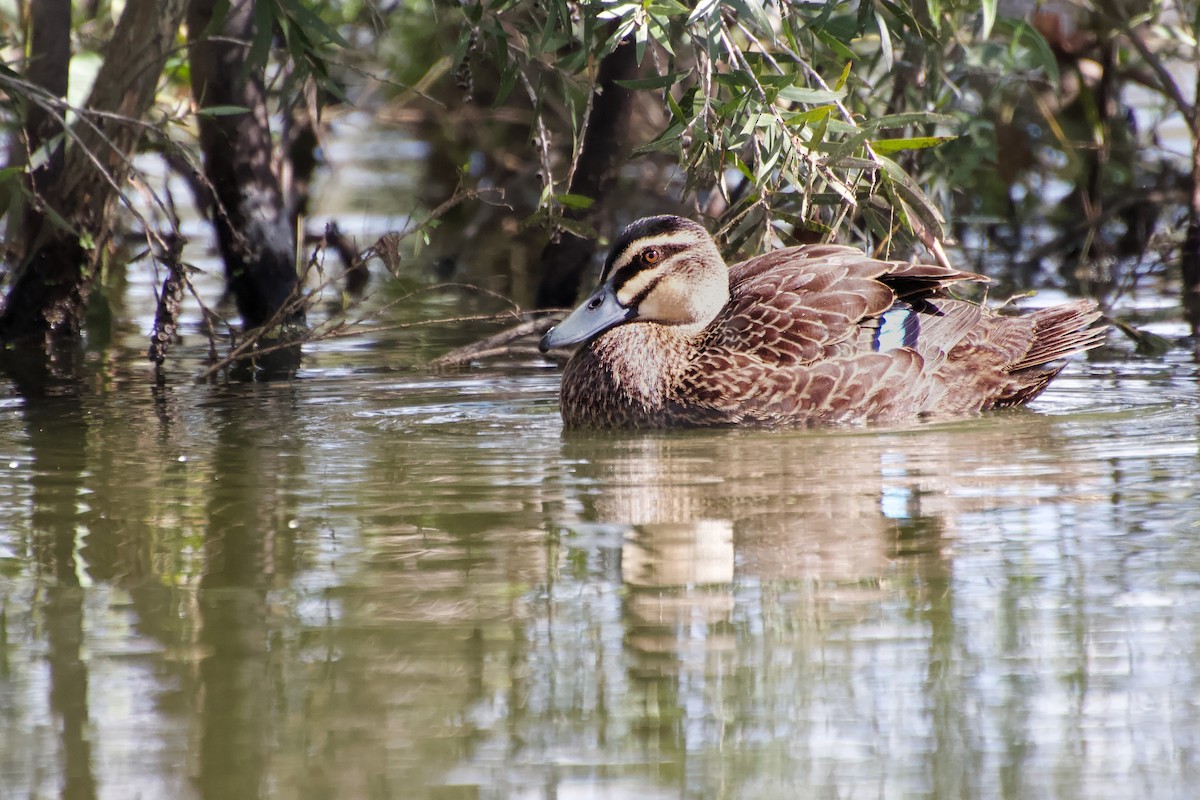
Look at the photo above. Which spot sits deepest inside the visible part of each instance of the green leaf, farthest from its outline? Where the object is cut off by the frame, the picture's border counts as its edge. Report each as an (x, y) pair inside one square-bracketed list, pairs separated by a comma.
[(738, 79), (812, 115), (934, 10), (308, 20), (907, 191), (1021, 32), (885, 43), (577, 202), (909, 20), (655, 82), (664, 140), (703, 10), (660, 29), (460, 47), (989, 18), (676, 109), (905, 119), (740, 166), (753, 9), (264, 26), (577, 227), (622, 31), (220, 10), (835, 150), (800, 94), (885, 146), (841, 81), (507, 81)]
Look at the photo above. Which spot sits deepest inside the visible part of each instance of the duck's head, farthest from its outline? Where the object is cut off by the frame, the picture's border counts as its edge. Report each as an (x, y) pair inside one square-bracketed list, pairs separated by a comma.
[(664, 270)]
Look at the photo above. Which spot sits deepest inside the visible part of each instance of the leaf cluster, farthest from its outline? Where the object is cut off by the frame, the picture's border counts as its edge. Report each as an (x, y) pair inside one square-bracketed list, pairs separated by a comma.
[(807, 116)]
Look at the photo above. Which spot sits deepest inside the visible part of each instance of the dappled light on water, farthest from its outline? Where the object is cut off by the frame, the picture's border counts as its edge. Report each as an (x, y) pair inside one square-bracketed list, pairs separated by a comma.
[(380, 581)]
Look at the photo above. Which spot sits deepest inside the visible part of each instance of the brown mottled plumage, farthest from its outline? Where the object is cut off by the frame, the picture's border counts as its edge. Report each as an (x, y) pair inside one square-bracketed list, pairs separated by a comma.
[(806, 335)]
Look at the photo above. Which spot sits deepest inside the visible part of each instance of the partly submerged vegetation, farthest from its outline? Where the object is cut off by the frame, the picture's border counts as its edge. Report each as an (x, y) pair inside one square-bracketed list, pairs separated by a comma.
[(1060, 135)]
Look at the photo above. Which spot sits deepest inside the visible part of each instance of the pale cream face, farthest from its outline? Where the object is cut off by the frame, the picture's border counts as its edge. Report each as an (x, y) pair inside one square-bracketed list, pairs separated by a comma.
[(685, 299), (675, 278), (663, 270)]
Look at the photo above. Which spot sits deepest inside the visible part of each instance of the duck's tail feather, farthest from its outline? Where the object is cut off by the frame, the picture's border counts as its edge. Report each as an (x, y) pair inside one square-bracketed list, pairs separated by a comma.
[(1062, 331)]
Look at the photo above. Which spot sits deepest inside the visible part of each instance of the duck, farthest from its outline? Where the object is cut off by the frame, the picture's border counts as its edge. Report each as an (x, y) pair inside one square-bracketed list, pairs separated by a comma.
[(819, 334)]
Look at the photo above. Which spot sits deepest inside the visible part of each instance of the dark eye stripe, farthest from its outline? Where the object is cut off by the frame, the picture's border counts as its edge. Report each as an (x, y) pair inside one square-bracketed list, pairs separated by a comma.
[(665, 251), (613, 257)]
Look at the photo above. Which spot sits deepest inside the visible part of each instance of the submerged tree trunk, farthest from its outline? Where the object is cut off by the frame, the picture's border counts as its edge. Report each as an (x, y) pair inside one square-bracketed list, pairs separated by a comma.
[(254, 229), (566, 257), (49, 288)]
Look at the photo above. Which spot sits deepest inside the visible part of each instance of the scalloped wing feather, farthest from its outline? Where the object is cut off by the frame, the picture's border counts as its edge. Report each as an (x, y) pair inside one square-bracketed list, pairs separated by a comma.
[(724, 387), (804, 304)]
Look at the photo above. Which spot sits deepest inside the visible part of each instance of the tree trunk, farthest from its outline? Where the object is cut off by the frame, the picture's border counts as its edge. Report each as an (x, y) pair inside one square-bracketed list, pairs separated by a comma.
[(254, 230), (566, 257), (1189, 261), (49, 69), (51, 283)]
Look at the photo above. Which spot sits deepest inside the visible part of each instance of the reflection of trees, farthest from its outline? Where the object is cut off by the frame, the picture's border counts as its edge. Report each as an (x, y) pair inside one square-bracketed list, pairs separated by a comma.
[(114, 503), (57, 438), (247, 546), (725, 609)]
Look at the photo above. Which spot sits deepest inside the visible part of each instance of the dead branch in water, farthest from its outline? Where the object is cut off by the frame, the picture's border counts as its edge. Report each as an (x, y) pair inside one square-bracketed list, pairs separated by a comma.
[(498, 344)]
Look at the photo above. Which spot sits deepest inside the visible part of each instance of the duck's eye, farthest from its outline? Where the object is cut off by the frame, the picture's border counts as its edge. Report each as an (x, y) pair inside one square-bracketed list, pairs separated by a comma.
[(651, 255)]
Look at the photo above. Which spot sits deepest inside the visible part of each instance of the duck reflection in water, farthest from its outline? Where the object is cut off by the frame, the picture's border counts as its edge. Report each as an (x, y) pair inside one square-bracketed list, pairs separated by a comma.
[(835, 518)]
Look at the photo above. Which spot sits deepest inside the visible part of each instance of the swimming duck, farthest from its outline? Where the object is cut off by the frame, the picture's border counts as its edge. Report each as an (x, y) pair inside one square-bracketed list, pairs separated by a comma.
[(815, 334)]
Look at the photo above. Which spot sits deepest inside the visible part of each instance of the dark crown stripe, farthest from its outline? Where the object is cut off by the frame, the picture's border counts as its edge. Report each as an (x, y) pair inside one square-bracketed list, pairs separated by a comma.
[(663, 232)]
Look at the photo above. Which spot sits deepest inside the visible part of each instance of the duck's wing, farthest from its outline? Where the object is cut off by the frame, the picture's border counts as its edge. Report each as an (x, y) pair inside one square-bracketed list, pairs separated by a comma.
[(805, 304), (733, 388)]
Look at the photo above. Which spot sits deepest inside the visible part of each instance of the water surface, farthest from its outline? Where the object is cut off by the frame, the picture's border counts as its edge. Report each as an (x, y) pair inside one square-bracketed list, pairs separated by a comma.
[(381, 581)]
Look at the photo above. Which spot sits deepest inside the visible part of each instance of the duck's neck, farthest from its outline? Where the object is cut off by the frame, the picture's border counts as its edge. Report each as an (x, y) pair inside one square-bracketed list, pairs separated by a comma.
[(627, 373), (645, 360)]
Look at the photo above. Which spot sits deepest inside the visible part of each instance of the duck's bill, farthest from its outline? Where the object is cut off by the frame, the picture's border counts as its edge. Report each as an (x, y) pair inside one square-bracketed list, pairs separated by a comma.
[(595, 315)]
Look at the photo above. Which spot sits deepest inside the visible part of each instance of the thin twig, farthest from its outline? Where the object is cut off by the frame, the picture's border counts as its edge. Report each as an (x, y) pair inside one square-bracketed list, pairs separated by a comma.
[(497, 344), (583, 126), (543, 134)]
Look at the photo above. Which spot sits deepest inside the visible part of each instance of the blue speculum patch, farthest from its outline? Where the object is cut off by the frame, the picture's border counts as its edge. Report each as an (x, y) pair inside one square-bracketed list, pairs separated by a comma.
[(898, 327)]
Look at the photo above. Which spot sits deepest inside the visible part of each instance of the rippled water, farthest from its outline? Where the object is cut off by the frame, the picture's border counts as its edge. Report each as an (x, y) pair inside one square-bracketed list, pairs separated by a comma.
[(380, 581)]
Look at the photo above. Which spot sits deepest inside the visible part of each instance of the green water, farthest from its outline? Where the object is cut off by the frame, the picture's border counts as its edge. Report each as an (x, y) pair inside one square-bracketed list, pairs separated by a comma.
[(378, 581)]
